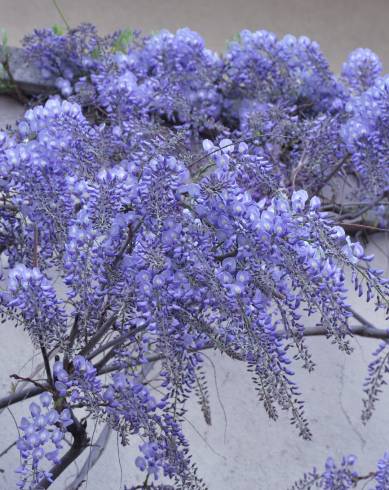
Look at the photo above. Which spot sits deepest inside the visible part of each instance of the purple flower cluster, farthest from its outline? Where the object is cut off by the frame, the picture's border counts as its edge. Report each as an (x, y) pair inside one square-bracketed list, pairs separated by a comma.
[(341, 477), (345, 476), (64, 57), (334, 477), (366, 136), (279, 93), (79, 383), (261, 68), (382, 474), (129, 407), (42, 438), (32, 295), (184, 75), (173, 193), (362, 69)]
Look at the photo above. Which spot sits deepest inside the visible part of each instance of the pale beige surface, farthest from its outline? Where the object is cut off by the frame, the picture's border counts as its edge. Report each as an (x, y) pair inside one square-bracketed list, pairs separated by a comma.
[(339, 26)]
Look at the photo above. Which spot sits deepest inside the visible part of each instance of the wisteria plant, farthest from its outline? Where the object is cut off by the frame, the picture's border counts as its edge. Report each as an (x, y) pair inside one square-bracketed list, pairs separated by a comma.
[(166, 201)]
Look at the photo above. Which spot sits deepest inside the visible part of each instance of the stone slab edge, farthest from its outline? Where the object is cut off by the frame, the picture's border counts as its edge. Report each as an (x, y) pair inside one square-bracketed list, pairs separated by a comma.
[(24, 73)]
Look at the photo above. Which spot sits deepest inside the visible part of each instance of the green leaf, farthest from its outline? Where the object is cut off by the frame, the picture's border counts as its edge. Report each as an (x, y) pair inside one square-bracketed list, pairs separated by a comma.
[(58, 30), (124, 40), (95, 53), (4, 38)]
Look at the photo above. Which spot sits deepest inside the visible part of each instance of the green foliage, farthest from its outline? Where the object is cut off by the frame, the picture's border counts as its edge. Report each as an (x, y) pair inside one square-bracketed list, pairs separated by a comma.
[(124, 40), (58, 30), (4, 38)]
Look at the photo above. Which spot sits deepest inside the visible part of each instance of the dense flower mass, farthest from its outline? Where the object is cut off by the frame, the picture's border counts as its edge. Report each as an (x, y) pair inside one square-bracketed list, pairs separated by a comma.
[(186, 201)]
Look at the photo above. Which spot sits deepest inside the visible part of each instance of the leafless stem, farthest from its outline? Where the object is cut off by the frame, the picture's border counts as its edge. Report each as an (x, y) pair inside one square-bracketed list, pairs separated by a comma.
[(80, 442), (46, 363), (366, 208), (115, 342), (335, 170), (367, 331), (8, 448), (125, 246), (29, 380), (98, 335), (71, 340), (22, 395)]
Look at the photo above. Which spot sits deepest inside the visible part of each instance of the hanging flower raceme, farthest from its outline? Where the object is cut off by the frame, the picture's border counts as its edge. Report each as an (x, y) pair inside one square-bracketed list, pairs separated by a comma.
[(32, 296), (41, 439), (366, 136), (362, 69)]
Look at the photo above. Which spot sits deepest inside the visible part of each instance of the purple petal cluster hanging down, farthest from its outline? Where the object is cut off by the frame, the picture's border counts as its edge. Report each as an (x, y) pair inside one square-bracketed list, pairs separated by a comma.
[(183, 202), (42, 438)]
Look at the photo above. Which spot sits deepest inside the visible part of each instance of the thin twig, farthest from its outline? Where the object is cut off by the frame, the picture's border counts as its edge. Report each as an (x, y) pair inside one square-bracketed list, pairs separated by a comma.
[(125, 246), (71, 340), (362, 319), (358, 330), (365, 208), (366, 330), (360, 226), (98, 335), (46, 363), (5, 451), (61, 14), (115, 342), (22, 395), (335, 170), (29, 380)]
